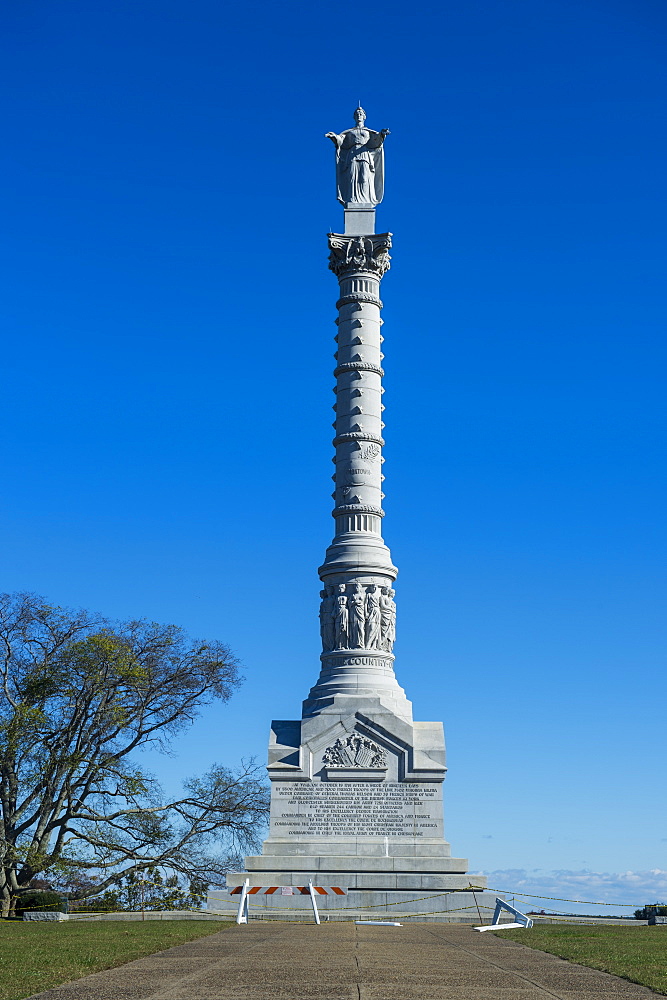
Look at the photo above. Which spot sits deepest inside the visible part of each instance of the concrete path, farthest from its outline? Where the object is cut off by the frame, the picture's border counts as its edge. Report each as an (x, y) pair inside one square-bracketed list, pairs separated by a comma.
[(340, 961)]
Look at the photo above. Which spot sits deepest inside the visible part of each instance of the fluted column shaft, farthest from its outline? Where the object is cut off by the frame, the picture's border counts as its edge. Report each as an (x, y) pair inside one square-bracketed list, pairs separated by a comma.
[(358, 613)]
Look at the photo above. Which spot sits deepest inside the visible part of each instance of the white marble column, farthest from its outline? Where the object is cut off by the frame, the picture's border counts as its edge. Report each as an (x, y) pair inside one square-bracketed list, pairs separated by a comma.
[(358, 611)]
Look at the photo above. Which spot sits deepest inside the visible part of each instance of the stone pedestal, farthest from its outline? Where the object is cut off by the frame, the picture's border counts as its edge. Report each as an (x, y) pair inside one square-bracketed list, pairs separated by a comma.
[(356, 802)]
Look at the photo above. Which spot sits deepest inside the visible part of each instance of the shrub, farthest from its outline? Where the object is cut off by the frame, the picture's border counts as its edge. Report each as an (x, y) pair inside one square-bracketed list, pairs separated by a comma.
[(652, 910), (35, 900)]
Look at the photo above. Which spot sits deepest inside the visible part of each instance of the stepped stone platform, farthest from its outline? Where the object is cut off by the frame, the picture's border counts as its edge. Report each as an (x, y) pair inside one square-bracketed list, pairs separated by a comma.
[(447, 907)]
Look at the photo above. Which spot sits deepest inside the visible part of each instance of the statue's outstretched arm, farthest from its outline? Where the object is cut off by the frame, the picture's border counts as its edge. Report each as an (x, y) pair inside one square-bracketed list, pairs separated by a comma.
[(335, 138), (376, 139)]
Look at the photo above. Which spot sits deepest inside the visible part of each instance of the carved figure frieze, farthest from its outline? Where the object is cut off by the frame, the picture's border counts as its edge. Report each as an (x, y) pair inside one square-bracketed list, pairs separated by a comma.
[(354, 616), (355, 751), (360, 253)]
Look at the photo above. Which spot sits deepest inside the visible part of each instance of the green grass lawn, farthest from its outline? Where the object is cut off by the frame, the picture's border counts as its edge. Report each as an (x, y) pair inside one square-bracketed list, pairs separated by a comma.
[(636, 952), (36, 956)]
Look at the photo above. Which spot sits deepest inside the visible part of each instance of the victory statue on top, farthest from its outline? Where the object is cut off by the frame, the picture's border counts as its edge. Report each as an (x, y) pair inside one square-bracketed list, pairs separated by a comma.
[(359, 163)]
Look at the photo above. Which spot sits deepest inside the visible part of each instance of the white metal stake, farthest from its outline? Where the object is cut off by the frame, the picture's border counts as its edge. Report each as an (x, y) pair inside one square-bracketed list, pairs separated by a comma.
[(312, 899), (242, 915)]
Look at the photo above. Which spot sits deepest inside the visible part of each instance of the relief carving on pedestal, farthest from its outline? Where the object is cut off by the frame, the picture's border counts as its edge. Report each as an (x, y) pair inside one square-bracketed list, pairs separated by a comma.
[(355, 751), (356, 617)]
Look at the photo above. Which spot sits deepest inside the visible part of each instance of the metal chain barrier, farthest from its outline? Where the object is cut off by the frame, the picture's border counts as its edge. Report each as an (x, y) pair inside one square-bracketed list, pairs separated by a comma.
[(560, 899), (522, 896)]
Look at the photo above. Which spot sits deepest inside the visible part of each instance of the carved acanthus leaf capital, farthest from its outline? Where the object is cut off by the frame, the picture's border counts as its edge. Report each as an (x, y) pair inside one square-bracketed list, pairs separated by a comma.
[(359, 253)]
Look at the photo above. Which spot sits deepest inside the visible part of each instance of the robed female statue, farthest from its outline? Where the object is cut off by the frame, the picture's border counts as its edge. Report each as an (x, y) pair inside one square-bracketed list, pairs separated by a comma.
[(359, 163)]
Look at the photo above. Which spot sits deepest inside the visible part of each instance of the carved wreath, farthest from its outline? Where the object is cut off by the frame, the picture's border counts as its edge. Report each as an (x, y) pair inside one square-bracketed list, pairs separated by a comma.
[(355, 751)]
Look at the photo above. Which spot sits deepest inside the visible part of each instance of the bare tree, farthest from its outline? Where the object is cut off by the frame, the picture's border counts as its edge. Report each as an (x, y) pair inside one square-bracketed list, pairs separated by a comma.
[(79, 696)]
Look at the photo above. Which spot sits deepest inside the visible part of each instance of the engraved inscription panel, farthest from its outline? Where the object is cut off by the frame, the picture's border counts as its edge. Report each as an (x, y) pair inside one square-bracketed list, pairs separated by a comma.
[(347, 809)]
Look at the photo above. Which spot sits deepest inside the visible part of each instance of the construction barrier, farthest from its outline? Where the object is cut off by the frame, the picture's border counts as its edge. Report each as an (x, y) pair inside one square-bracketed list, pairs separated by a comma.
[(290, 890), (311, 890)]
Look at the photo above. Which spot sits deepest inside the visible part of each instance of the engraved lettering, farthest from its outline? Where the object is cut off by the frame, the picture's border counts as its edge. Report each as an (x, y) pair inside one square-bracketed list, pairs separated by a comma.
[(355, 809)]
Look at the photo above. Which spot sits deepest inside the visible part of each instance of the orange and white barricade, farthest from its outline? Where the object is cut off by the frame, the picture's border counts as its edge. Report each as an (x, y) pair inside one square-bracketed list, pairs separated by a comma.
[(311, 890)]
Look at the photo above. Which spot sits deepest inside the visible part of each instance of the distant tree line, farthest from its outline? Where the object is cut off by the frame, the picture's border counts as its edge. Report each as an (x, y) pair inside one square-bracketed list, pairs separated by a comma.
[(652, 910), (149, 889)]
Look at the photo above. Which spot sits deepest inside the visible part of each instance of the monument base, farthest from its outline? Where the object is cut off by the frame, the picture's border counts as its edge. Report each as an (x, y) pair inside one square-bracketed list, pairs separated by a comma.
[(378, 885), (356, 802)]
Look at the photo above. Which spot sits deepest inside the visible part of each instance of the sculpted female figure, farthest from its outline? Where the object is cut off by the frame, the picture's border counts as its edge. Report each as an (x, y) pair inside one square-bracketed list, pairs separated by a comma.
[(391, 632), (386, 606), (341, 618), (373, 618), (327, 623), (359, 163), (357, 614)]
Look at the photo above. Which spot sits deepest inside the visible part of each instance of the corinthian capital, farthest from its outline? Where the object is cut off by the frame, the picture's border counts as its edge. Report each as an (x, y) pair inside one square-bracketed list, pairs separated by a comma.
[(359, 253)]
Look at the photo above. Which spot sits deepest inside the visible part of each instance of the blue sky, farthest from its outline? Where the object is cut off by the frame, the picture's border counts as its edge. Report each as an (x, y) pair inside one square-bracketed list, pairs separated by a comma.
[(168, 370)]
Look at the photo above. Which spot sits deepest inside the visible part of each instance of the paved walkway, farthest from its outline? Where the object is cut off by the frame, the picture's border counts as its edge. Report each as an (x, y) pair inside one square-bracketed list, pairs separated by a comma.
[(340, 961)]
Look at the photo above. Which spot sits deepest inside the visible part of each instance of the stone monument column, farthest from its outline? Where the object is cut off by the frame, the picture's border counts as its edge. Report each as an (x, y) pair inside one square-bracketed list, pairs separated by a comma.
[(357, 573), (356, 783)]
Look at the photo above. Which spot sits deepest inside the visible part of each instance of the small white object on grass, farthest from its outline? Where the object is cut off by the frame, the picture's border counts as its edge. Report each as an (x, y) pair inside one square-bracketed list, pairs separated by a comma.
[(379, 923)]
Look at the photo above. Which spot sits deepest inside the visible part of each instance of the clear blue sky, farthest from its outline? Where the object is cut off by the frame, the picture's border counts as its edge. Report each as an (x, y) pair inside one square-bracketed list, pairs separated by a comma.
[(168, 370)]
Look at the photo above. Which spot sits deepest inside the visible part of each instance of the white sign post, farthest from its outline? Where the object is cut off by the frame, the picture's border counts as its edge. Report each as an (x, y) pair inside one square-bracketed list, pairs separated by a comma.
[(242, 915), (312, 899)]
